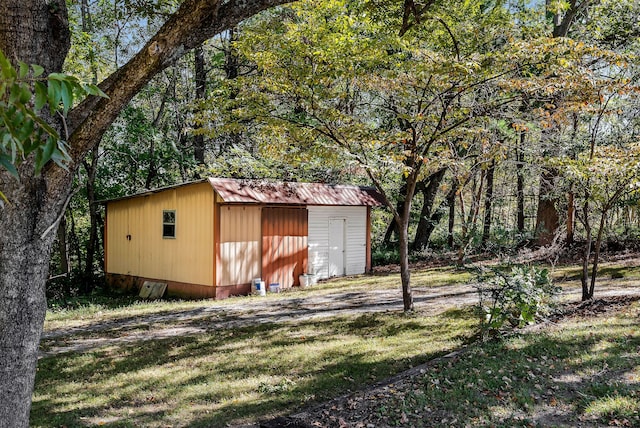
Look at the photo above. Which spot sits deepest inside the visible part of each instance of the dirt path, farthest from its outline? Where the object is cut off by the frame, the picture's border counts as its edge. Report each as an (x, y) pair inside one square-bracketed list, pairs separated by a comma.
[(287, 308)]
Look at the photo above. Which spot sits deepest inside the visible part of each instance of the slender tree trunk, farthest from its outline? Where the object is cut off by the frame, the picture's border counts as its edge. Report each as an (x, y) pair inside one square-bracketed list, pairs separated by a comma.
[(488, 199), (596, 253), (402, 218), (571, 215), (520, 182), (63, 247), (74, 241), (586, 254), (91, 169), (451, 201), (201, 82), (405, 270)]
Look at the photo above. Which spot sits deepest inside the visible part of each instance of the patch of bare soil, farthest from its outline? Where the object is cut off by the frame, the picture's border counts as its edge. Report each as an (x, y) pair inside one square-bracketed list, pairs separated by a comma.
[(595, 307), (361, 409)]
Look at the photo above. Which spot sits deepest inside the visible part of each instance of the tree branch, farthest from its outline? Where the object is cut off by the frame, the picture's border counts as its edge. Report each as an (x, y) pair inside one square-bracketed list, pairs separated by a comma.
[(194, 22)]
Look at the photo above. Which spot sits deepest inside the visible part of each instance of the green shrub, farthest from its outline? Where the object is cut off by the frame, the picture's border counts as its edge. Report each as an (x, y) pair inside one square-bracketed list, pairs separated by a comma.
[(513, 298)]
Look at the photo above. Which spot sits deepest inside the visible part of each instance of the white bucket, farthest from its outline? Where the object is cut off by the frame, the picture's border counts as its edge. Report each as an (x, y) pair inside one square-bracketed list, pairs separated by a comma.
[(263, 288), (306, 280)]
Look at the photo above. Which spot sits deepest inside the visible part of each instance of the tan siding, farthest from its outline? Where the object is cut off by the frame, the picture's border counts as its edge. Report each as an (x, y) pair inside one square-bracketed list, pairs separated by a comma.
[(121, 252), (187, 258), (239, 244)]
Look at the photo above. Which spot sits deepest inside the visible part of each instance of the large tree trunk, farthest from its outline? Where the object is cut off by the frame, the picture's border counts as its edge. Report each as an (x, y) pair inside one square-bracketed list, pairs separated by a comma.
[(32, 31), (37, 32), (24, 267)]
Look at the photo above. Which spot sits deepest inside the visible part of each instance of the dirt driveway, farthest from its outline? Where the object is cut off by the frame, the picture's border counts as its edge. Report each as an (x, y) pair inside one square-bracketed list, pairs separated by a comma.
[(288, 307)]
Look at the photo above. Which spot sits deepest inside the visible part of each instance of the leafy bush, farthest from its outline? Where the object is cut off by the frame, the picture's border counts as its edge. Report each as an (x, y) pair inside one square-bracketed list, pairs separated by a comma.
[(513, 298), (385, 256)]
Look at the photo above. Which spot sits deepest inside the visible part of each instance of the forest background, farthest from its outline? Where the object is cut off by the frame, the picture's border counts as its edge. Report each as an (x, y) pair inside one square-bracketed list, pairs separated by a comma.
[(504, 124)]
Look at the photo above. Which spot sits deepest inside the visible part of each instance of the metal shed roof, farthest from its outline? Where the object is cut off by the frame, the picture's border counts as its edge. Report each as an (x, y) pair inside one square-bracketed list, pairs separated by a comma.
[(294, 193), (287, 193)]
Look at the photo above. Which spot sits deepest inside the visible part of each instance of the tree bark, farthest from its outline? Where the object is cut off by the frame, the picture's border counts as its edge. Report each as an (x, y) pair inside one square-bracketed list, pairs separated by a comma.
[(488, 199), (201, 87), (91, 169), (571, 215), (520, 182), (37, 32), (63, 248), (547, 218), (429, 189), (586, 254), (451, 201), (403, 239)]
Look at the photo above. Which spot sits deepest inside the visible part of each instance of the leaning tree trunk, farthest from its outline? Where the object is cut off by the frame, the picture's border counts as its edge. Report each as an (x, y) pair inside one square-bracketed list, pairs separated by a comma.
[(37, 32)]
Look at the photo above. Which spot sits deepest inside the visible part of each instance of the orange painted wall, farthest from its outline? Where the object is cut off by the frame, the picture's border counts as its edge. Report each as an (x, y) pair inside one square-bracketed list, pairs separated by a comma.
[(284, 245)]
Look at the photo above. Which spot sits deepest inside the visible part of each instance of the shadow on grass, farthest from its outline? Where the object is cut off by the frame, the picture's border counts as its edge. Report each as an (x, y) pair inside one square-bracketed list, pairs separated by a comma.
[(236, 374), (586, 375)]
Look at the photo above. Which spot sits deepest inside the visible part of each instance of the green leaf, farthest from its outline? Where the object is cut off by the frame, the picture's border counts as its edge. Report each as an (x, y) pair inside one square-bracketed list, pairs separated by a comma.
[(25, 93), (41, 95), (5, 161), (44, 155), (54, 95), (67, 97), (58, 76), (95, 90), (24, 70), (37, 70)]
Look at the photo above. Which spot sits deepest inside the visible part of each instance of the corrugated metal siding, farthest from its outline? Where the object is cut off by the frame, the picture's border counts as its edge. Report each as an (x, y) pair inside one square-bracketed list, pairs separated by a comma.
[(356, 239), (284, 245), (187, 258), (240, 242)]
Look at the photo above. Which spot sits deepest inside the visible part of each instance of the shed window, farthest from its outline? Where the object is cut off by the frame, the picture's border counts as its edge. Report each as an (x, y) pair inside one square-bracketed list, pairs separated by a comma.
[(169, 224)]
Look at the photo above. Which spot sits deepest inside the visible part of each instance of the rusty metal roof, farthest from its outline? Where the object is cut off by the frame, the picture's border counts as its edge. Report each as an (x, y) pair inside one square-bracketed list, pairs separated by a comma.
[(289, 193), (293, 193)]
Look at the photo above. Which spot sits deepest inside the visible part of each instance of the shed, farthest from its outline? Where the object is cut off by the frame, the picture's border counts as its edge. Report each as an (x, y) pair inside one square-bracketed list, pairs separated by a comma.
[(212, 237)]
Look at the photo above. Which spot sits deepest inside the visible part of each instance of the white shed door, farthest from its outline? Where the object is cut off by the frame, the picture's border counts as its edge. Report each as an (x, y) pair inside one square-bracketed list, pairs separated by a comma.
[(336, 247)]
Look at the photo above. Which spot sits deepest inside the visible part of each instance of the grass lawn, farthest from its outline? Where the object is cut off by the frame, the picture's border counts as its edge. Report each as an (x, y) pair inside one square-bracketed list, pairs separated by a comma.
[(585, 369), (235, 375)]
